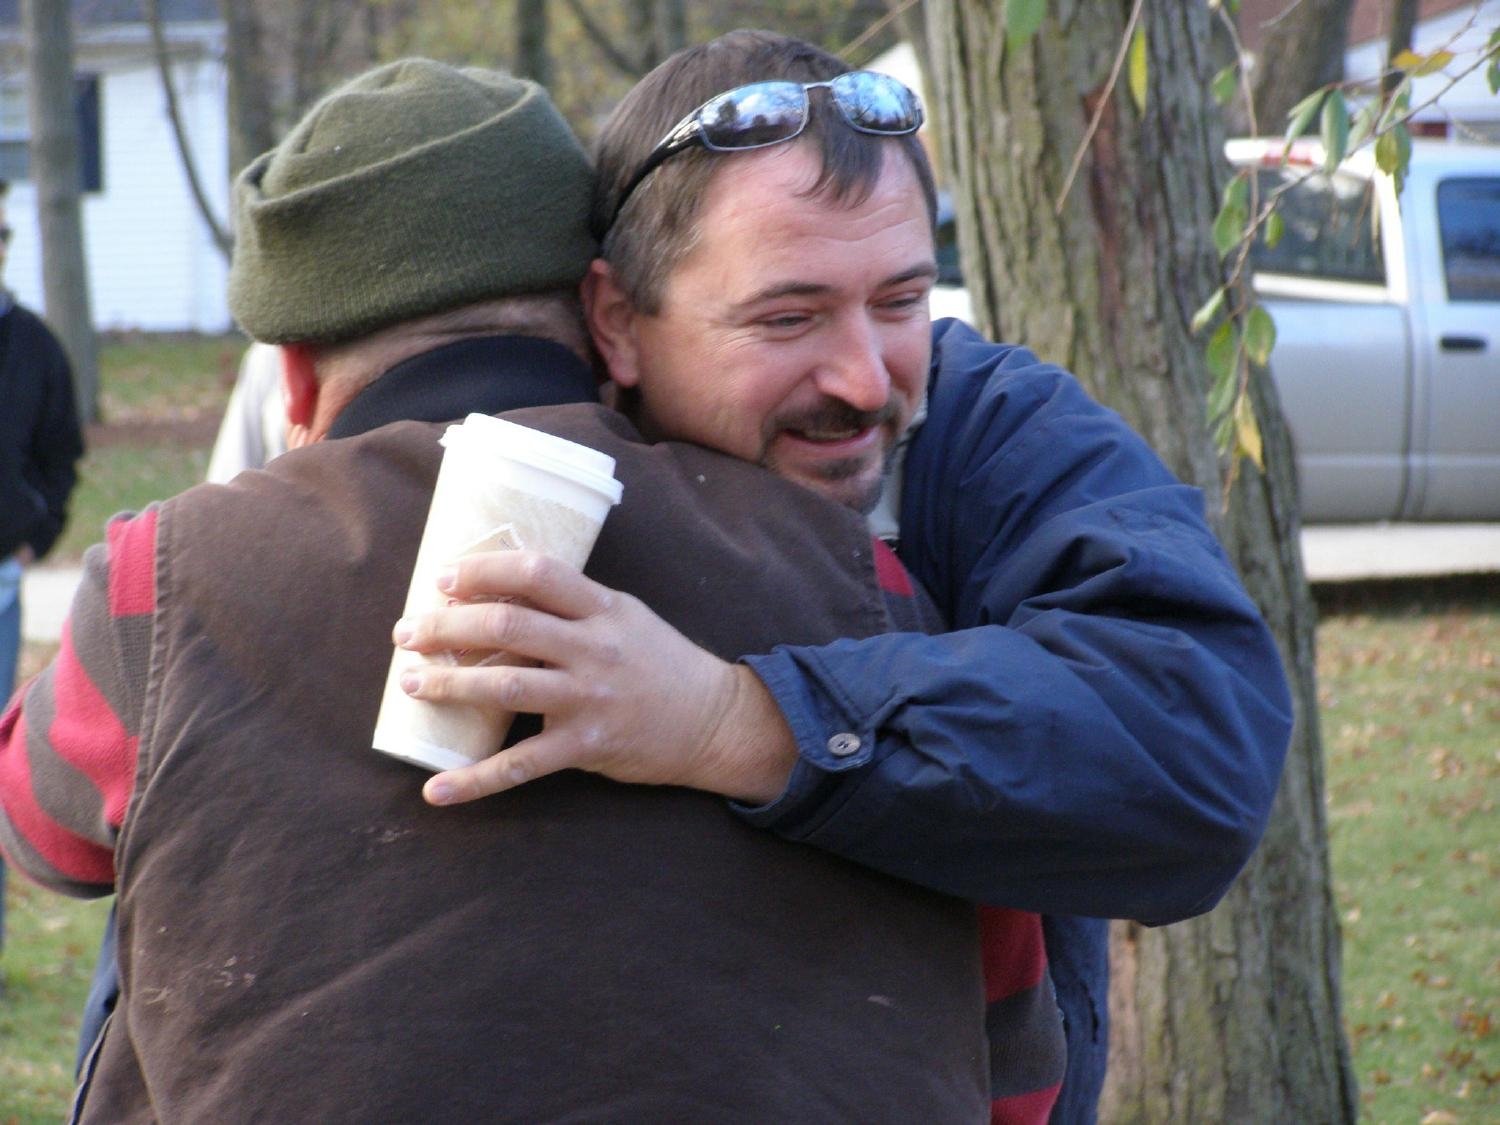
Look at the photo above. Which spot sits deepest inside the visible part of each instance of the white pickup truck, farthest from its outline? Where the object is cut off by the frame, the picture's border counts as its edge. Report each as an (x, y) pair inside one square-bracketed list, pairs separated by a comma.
[(1387, 312)]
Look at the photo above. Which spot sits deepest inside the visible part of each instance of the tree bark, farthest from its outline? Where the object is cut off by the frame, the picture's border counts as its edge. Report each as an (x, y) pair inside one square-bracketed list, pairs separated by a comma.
[(252, 116), (1233, 1016), (1303, 49), (48, 31), (642, 21), (533, 60), (671, 26), (216, 229), (1403, 27)]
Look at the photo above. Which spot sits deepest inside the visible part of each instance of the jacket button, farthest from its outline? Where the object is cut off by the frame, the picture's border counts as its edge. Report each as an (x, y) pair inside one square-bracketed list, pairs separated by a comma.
[(842, 745)]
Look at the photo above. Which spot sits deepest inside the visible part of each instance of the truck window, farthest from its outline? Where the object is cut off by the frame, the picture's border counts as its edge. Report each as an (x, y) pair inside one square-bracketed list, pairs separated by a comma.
[(1469, 218), (1328, 234)]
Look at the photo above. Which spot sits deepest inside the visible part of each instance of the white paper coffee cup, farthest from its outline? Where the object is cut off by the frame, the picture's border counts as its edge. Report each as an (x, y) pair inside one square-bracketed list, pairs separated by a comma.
[(501, 486)]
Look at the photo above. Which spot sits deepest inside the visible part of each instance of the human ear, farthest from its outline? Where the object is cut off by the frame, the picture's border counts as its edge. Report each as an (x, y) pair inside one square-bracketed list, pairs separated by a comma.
[(611, 319), (299, 392)]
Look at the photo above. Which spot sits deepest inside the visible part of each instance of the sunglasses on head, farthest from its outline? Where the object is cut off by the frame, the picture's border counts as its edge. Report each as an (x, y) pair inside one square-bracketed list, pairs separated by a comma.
[(768, 113)]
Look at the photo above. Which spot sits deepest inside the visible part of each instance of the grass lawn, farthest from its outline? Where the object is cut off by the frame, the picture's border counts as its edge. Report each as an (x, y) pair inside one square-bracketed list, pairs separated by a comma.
[(1409, 678), (160, 401), (50, 946)]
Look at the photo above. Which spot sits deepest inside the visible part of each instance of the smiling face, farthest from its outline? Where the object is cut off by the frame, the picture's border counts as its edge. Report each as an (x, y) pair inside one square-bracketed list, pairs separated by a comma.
[(795, 333)]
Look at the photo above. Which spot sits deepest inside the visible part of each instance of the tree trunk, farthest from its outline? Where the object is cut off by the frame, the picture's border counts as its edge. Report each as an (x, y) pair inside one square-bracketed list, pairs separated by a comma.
[(1303, 49), (1234, 1016), (48, 30), (642, 21), (252, 116), (533, 60), (671, 26), (1403, 27)]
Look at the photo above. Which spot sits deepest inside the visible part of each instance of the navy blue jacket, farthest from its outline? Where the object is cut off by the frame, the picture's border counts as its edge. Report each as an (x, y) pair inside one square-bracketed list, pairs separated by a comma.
[(1101, 737)]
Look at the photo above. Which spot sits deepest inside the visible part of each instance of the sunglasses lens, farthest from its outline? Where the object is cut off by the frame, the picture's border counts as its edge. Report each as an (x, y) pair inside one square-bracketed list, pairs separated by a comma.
[(760, 114), (876, 103)]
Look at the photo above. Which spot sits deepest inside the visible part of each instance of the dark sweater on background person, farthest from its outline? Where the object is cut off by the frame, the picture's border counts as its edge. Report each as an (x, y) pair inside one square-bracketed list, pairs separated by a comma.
[(40, 438)]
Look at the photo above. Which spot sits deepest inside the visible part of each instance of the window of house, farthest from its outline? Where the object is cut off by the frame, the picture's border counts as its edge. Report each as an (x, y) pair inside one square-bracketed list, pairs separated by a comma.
[(1328, 233), (15, 131), (1469, 219)]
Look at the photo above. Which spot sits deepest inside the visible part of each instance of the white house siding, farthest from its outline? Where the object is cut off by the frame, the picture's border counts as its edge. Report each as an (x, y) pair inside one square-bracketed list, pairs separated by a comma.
[(1472, 111), (151, 262)]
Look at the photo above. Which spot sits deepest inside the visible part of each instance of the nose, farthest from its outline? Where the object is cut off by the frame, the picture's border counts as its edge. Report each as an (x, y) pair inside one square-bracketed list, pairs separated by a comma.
[(855, 370)]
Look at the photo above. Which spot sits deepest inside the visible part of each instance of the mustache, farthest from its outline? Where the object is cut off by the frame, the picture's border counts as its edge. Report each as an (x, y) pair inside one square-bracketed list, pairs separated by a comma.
[(833, 415)]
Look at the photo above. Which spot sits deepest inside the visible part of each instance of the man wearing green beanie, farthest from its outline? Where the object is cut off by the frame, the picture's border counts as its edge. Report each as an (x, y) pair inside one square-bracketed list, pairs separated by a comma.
[(418, 227), (301, 936)]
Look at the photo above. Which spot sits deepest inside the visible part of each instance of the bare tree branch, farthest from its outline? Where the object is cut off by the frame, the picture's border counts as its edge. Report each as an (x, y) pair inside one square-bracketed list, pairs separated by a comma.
[(189, 166), (601, 40)]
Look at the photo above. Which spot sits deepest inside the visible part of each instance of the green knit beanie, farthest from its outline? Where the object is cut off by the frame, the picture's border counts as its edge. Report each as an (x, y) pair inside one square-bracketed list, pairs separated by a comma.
[(412, 189)]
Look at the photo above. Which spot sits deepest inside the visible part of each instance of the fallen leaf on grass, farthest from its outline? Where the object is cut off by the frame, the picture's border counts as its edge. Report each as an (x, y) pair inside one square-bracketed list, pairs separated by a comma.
[(1478, 1025)]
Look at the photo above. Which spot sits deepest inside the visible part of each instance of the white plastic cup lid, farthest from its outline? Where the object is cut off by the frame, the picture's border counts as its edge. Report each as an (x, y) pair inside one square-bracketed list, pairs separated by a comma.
[(486, 435)]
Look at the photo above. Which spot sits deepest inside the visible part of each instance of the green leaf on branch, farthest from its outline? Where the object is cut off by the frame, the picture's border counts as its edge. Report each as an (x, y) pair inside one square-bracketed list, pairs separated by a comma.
[(1224, 83), (1260, 336), (1023, 18), (1301, 116), (1229, 224), (1422, 65), (1436, 61), (1224, 432), (1136, 75), (1220, 354), (1492, 76), (1334, 130), (1364, 124), (1397, 106), (1247, 432), (1275, 228), (1210, 309), (1393, 154), (1237, 192)]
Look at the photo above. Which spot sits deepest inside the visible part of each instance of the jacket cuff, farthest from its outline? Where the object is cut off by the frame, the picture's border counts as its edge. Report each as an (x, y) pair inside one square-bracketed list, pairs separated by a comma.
[(830, 744)]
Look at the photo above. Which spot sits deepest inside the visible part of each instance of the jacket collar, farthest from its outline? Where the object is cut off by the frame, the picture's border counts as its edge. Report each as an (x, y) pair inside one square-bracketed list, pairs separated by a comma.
[(485, 374)]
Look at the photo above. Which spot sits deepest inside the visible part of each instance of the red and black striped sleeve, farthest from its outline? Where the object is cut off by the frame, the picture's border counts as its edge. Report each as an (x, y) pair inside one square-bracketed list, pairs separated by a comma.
[(69, 738)]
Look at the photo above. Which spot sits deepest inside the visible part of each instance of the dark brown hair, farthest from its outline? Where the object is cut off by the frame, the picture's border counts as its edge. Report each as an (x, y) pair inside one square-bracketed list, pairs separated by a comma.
[(658, 226)]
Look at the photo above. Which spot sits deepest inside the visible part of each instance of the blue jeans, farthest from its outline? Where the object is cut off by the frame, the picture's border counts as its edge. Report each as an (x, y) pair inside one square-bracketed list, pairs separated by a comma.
[(10, 652), (104, 991), (10, 624)]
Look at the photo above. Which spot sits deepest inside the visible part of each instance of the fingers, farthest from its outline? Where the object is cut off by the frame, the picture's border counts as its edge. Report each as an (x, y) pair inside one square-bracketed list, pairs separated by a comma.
[(523, 762), (540, 691), (538, 579), (488, 626)]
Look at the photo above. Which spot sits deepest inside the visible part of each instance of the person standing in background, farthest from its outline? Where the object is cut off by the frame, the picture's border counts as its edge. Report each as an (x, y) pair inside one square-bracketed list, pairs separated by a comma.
[(254, 426), (40, 444)]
